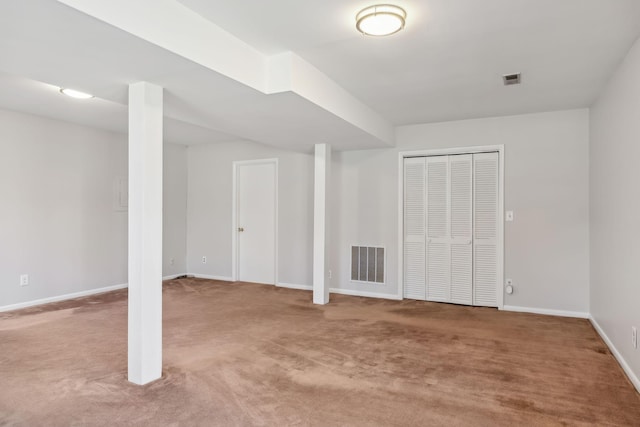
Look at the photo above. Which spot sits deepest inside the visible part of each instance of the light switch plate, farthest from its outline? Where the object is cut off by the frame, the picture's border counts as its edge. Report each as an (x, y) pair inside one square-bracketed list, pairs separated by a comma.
[(509, 216)]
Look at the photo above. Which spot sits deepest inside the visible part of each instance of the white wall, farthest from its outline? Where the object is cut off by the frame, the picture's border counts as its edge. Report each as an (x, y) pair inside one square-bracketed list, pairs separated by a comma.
[(546, 185), (615, 210), (56, 183), (364, 211), (58, 221), (174, 230), (209, 209)]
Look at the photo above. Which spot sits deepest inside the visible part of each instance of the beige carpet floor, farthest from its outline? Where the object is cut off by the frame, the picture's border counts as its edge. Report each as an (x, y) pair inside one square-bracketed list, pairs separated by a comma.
[(245, 354)]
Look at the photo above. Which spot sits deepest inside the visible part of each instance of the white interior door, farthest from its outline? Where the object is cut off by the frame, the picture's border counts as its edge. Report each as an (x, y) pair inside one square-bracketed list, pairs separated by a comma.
[(256, 221)]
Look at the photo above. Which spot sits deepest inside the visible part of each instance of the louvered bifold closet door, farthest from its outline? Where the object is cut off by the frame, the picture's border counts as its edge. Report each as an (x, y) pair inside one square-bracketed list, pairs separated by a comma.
[(461, 185), (438, 235), (485, 242), (414, 228)]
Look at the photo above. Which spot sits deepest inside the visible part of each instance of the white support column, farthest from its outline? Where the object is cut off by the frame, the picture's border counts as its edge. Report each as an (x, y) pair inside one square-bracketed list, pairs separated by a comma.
[(320, 224), (145, 232)]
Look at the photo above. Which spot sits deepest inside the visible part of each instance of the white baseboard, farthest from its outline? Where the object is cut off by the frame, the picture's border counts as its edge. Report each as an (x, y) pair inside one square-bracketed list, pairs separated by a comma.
[(546, 311), (294, 286), (62, 297), (625, 366), (355, 293), (205, 276)]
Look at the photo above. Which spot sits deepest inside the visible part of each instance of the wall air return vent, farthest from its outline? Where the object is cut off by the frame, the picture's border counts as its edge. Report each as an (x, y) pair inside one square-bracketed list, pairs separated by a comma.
[(367, 264), (512, 79)]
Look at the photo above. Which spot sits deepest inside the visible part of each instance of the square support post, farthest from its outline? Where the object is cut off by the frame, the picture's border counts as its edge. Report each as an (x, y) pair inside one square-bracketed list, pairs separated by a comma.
[(321, 224), (145, 232)]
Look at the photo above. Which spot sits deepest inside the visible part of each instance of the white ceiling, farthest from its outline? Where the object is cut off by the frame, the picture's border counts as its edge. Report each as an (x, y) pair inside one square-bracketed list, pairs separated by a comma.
[(448, 62), (42, 99), (446, 65)]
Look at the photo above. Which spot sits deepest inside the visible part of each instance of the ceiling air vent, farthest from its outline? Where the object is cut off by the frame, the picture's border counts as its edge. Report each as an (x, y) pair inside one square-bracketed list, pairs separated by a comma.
[(511, 79)]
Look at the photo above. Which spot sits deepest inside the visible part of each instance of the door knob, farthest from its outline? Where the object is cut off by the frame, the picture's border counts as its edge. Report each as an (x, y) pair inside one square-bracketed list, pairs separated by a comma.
[(240, 229)]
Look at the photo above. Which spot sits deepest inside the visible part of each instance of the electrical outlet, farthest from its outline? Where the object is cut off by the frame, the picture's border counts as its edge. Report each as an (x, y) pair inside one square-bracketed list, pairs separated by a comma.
[(508, 286), (634, 337), (330, 274), (24, 279), (171, 261), (204, 259), (509, 216)]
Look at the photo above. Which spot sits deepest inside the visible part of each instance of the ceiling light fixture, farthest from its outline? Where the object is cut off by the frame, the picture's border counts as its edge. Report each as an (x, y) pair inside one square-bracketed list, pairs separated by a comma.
[(381, 20), (75, 93)]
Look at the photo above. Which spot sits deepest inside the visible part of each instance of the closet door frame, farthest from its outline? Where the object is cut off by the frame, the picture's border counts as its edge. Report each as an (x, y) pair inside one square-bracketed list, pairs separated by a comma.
[(445, 152)]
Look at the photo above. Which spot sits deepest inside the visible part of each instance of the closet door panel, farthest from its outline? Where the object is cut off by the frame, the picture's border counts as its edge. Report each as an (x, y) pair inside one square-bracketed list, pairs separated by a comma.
[(485, 229), (438, 229), (414, 228), (451, 229), (461, 190)]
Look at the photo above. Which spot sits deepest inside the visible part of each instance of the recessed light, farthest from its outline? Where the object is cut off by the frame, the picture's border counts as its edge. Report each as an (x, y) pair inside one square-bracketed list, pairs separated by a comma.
[(75, 93), (381, 20)]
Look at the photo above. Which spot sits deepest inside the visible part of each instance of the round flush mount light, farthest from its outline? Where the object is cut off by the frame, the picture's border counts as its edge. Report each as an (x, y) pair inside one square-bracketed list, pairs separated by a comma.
[(75, 93), (381, 20)]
